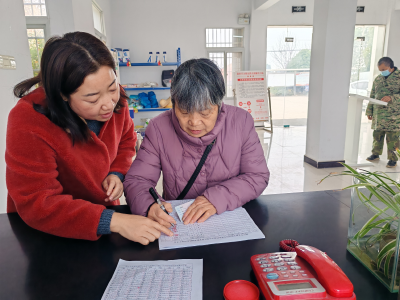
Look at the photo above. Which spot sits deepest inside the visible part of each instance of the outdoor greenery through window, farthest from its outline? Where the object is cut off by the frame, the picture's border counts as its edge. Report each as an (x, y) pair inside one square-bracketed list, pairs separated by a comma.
[(36, 44), (36, 8)]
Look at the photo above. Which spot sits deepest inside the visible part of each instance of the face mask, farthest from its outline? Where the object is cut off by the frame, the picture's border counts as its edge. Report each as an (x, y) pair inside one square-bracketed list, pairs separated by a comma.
[(385, 73)]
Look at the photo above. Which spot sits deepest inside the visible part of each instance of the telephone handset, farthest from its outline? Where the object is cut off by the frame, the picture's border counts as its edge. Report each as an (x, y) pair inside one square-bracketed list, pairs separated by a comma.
[(307, 273)]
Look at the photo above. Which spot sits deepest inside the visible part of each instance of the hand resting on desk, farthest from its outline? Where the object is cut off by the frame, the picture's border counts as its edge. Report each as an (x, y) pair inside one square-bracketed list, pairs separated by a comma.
[(137, 228), (200, 210)]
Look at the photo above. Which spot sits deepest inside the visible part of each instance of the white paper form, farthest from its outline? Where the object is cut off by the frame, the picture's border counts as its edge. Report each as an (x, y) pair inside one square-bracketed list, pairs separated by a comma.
[(230, 226), (159, 280)]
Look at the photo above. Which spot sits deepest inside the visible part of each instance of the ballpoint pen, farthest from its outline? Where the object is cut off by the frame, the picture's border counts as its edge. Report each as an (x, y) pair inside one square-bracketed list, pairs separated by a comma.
[(157, 200)]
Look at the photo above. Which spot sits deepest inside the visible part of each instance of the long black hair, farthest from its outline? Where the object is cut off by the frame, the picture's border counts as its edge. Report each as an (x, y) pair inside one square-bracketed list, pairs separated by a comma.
[(65, 63)]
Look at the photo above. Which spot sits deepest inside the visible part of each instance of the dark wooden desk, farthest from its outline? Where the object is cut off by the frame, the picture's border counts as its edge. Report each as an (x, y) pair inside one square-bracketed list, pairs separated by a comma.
[(35, 265)]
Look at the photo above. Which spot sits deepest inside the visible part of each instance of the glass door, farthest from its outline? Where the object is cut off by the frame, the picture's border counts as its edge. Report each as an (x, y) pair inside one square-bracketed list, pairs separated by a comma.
[(288, 73)]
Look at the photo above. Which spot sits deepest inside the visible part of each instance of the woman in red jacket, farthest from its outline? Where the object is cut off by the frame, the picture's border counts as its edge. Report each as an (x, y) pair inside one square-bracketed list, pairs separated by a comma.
[(70, 143)]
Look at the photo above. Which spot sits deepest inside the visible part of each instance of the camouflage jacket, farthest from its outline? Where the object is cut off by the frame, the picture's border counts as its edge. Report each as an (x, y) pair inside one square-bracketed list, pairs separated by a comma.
[(386, 118)]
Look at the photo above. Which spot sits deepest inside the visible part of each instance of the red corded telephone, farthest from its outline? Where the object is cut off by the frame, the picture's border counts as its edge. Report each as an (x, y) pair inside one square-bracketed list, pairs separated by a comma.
[(307, 273)]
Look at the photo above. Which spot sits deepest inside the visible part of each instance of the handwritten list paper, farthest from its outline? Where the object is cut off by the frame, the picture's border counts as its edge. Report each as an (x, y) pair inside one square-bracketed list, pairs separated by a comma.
[(230, 226), (158, 280)]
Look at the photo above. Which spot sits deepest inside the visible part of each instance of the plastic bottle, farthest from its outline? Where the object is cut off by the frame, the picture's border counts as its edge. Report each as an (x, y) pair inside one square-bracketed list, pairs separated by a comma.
[(150, 60), (157, 57), (164, 56)]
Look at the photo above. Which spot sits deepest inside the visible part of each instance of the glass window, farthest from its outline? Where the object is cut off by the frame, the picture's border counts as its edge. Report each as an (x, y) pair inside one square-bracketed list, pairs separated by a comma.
[(228, 62), (225, 37), (98, 18), (35, 8), (36, 44)]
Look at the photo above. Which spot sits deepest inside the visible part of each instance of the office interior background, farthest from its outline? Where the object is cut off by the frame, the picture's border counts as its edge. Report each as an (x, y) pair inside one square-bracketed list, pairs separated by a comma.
[(334, 53)]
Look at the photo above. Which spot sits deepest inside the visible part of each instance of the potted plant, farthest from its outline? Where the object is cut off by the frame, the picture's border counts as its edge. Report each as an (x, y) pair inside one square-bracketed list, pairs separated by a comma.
[(373, 235)]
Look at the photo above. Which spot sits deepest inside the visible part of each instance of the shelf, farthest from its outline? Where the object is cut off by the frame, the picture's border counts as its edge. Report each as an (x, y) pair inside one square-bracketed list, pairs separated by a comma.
[(147, 89), (151, 109), (149, 64)]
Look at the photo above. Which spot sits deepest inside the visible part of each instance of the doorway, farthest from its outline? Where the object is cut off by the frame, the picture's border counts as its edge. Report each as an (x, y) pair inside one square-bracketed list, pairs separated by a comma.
[(288, 73)]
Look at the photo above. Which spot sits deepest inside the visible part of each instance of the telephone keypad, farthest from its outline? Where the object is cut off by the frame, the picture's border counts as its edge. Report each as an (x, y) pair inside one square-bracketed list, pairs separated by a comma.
[(272, 276), (268, 269), (283, 265)]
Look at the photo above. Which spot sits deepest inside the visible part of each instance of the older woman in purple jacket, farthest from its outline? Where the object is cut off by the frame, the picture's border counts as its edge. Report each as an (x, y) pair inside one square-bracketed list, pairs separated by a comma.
[(235, 170)]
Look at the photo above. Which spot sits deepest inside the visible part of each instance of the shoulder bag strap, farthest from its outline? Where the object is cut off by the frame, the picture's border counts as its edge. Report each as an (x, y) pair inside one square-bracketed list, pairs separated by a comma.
[(196, 172)]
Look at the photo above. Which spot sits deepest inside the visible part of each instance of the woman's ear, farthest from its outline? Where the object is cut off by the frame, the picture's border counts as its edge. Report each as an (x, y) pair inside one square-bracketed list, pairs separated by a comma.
[(64, 98)]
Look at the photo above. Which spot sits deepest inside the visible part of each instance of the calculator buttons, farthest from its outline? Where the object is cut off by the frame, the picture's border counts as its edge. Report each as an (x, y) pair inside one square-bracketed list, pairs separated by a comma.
[(266, 266), (292, 263), (285, 256), (286, 276), (273, 257), (283, 272), (268, 270), (295, 275), (281, 268), (292, 272), (304, 275), (301, 271), (261, 262), (276, 260), (279, 264), (272, 276), (295, 267)]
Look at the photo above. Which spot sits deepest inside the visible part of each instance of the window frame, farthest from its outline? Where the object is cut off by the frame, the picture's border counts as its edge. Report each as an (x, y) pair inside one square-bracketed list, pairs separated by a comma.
[(39, 26), (101, 35), (225, 50)]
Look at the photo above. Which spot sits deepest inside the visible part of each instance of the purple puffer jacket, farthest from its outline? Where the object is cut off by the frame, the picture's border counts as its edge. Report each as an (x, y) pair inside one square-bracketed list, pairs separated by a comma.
[(234, 173)]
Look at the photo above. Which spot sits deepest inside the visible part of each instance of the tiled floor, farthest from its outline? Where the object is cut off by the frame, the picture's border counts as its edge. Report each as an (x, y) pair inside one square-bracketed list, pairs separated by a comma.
[(290, 174)]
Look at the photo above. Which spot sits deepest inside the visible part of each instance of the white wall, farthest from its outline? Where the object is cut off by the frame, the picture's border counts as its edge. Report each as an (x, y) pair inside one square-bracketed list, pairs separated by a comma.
[(60, 13), (13, 31), (70, 15), (158, 25)]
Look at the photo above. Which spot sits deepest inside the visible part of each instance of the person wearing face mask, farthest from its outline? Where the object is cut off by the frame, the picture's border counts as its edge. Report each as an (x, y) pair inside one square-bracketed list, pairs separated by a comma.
[(176, 142), (70, 143), (385, 119)]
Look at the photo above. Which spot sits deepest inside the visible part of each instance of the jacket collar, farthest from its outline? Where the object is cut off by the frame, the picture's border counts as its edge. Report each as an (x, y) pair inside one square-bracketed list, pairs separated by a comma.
[(204, 140)]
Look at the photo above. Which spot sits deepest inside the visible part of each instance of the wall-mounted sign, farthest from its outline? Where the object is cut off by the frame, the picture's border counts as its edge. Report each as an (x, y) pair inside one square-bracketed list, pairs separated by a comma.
[(289, 40), (7, 62), (360, 8), (296, 9)]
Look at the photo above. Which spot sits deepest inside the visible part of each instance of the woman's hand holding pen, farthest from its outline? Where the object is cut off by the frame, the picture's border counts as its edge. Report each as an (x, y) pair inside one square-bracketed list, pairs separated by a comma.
[(138, 228), (158, 215)]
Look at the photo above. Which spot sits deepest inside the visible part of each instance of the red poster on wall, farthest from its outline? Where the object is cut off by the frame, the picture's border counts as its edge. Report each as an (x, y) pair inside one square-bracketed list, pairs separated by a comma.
[(251, 93)]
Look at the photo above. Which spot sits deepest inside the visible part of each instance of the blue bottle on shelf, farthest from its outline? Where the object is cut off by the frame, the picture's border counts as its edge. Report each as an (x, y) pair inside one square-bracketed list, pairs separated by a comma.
[(150, 58)]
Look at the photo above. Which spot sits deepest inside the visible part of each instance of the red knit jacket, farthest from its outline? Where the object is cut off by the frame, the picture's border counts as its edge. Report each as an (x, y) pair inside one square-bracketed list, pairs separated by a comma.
[(55, 186)]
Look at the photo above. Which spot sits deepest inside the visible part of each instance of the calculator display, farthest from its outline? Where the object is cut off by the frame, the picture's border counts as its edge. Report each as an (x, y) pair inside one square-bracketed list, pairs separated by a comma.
[(294, 286)]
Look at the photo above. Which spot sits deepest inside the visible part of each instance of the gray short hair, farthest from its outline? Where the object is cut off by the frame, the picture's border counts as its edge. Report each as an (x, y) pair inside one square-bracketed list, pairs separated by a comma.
[(387, 61), (196, 85)]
